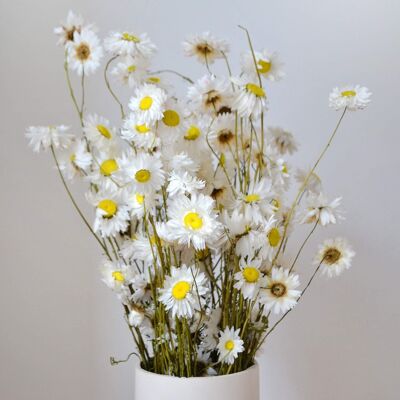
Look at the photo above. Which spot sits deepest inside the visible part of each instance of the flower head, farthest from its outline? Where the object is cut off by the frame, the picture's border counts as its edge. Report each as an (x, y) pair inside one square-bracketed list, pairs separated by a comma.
[(353, 97), (230, 345), (43, 137), (205, 47)]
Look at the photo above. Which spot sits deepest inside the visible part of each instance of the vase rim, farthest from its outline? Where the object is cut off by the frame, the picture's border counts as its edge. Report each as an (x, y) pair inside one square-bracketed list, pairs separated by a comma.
[(162, 376)]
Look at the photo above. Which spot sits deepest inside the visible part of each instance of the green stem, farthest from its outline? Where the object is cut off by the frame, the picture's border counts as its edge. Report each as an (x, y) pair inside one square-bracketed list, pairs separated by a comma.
[(109, 86)]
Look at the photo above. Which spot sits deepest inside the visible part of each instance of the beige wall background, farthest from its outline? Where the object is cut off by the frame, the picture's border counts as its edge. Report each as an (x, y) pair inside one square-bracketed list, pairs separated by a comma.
[(59, 324)]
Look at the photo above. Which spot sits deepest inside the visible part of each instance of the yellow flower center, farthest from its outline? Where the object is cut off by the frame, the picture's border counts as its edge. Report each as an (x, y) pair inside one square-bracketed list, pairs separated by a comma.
[(130, 38), (192, 133), (108, 167), (255, 89), (104, 131), (251, 198), (251, 274), (139, 198), (82, 52), (171, 118), (222, 160), (276, 204), (264, 66), (131, 68), (192, 220), (143, 175), (72, 158), (348, 93), (118, 276), (145, 103), (153, 79), (229, 345), (274, 237), (142, 129), (109, 207), (284, 169), (180, 290)]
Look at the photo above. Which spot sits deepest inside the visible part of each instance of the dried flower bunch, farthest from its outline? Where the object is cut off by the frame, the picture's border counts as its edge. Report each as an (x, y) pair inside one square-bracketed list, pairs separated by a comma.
[(192, 211)]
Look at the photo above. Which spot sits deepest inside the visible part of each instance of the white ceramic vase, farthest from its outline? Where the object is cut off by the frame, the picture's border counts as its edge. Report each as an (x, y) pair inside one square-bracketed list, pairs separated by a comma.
[(240, 386)]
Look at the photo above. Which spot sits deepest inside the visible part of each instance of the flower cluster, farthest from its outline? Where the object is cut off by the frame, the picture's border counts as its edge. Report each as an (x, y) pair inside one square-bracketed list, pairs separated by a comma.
[(190, 198)]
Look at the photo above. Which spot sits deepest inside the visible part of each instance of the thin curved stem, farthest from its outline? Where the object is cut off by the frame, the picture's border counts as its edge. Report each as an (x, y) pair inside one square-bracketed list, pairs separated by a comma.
[(170, 71), (304, 185), (303, 244), (109, 86), (71, 91), (76, 205)]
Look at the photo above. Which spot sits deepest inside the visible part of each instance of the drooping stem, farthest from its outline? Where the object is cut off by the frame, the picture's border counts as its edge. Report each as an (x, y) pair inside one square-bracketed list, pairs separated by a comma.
[(109, 86), (71, 91), (161, 71), (76, 205)]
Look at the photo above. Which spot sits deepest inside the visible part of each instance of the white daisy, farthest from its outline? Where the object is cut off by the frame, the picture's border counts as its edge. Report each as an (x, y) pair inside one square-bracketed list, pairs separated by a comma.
[(283, 141), (65, 32), (140, 284), (205, 47), (314, 184), (182, 183), (230, 345), (209, 336), (136, 315), (193, 221), (116, 275), (236, 223), (131, 71), (141, 248), (112, 214), (222, 135), (141, 135), (43, 137), (148, 103), (268, 65), (210, 95), (76, 160), (249, 279), (281, 293), (84, 52), (251, 99), (140, 203), (171, 125), (99, 132), (183, 290), (106, 170), (143, 173), (335, 256), (130, 44), (321, 210), (256, 204), (354, 97)]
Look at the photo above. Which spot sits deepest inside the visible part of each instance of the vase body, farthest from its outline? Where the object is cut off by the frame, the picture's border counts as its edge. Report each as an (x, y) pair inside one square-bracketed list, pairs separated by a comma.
[(240, 386)]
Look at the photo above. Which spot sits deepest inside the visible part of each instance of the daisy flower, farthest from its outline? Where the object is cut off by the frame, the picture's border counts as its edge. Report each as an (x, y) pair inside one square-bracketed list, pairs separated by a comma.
[(314, 184), (236, 223), (140, 284), (209, 336), (141, 135), (144, 173), (335, 256), (84, 52), (268, 65), (65, 32), (230, 345), (354, 97), (182, 291), (141, 248), (193, 221), (43, 137), (222, 135), (131, 71), (182, 182), (76, 160), (112, 214), (99, 131), (116, 275), (148, 103), (170, 126), (281, 293), (249, 279), (140, 203), (210, 95), (256, 204), (321, 210), (106, 170), (283, 141), (205, 47), (251, 99), (136, 315), (129, 44)]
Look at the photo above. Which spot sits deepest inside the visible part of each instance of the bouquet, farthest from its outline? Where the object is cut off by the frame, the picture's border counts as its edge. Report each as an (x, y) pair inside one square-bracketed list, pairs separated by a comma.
[(191, 196)]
